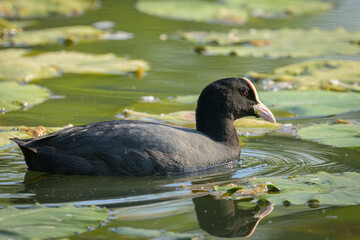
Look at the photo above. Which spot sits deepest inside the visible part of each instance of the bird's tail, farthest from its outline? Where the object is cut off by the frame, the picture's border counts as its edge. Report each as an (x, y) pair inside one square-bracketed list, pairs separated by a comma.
[(29, 153)]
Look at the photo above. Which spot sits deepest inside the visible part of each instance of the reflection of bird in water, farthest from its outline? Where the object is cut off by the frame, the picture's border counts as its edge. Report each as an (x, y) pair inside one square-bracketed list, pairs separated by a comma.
[(228, 218), (142, 148)]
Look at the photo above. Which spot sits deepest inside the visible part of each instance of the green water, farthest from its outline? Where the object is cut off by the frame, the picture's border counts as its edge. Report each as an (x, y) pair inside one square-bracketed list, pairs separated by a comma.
[(158, 202)]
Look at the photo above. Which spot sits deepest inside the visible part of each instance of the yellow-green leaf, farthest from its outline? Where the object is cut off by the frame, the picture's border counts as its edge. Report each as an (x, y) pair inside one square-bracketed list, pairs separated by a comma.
[(16, 65), (14, 96), (40, 8), (337, 75), (276, 43)]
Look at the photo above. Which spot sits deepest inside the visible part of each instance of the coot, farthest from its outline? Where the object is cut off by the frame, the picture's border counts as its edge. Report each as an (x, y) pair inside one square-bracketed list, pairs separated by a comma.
[(124, 147)]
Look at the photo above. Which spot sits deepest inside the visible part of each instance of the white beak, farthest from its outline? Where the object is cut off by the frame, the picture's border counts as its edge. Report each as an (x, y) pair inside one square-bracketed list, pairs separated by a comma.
[(262, 111)]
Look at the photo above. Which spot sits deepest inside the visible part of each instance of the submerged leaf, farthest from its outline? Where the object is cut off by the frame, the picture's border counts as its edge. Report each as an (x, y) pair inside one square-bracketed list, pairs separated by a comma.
[(15, 65), (312, 189), (339, 135), (150, 233), (14, 96), (40, 8), (43, 222), (184, 10), (276, 43), (337, 75)]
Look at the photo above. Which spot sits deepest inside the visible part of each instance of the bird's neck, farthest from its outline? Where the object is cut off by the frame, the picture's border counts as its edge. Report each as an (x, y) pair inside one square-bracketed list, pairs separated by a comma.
[(218, 127)]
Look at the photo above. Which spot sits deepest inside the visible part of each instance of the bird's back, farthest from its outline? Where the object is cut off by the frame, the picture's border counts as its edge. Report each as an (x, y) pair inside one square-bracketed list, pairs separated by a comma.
[(124, 148)]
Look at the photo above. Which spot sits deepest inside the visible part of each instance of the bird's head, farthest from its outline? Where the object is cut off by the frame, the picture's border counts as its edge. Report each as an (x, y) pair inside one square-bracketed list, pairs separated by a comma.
[(234, 96)]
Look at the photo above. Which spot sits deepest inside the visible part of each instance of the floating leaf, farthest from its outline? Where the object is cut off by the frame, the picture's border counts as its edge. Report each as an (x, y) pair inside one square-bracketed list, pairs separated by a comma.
[(14, 96), (25, 23), (43, 222), (279, 8), (342, 189), (276, 43), (75, 62), (184, 10), (337, 75), (40, 8), (15, 65), (339, 135), (230, 11), (320, 188), (233, 189), (7, 132), (7, 29), (311, 103), (62, 35)]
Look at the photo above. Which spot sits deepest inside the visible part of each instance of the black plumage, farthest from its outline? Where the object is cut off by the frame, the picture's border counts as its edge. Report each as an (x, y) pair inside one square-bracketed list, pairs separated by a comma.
[(139, 148)]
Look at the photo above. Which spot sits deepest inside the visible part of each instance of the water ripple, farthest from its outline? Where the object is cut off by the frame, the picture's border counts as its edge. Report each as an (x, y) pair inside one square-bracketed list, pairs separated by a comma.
[(284, 155)]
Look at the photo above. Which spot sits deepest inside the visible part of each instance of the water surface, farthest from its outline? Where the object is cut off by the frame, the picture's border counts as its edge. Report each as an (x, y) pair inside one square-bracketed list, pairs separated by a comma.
[(162, 202)]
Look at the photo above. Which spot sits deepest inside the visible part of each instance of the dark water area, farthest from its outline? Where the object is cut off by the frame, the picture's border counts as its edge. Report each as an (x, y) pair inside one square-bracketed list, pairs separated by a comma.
[(166, 202)]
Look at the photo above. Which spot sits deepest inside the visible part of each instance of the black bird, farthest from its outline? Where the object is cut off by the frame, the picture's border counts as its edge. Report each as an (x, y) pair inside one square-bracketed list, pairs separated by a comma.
[(124, 147)]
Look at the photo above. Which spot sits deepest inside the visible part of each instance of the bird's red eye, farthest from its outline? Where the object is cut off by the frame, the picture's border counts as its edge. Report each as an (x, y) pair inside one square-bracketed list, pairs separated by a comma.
[(245, 93)]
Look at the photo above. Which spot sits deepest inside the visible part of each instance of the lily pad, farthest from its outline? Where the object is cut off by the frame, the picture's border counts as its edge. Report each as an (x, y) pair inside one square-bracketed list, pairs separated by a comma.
[(276, 43), (230, 11), (7, 29), (62, 35), (16, 65), (7, 132), (312, 102), (193, 10), (337, 75), (40, 8), (323, 188), (14, 96), (280, 8), (43, 222), (339, 135)]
